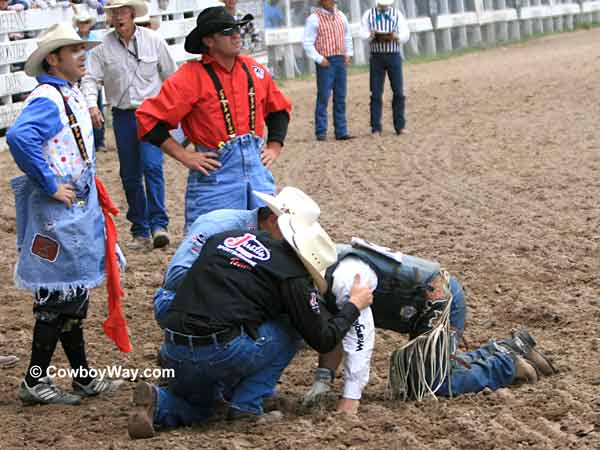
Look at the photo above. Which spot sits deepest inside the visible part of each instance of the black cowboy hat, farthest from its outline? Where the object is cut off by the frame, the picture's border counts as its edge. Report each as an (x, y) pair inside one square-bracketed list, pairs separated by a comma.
[(211, 21)]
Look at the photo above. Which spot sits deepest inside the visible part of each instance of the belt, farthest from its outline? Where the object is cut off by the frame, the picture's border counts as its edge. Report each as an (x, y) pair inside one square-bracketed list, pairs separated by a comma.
[(218, 337), (125, 109)]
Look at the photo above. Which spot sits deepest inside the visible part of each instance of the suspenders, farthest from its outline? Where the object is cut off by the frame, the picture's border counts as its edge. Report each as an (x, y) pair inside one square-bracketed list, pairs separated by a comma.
[(225, 103), (74, 126)]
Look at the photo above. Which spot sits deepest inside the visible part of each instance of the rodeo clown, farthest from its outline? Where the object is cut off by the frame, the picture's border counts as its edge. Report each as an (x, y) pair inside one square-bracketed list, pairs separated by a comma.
[(291, 200), (223, 103), (224, 336), (415, 296), (65, 235)]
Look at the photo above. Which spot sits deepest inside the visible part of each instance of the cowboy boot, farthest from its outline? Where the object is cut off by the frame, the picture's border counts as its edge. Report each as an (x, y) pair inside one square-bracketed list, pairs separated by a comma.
[(522, 343), (524, 371)]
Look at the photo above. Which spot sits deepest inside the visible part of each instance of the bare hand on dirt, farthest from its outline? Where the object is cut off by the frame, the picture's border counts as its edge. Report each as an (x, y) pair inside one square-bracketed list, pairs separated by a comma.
[(203, 162), (270, 153), (360, 296), (97, 117), (324, 63), (66, 194)]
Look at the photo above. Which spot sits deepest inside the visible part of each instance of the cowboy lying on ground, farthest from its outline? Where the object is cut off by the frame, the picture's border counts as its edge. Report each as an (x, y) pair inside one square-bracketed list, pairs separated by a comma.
[(411, 295)]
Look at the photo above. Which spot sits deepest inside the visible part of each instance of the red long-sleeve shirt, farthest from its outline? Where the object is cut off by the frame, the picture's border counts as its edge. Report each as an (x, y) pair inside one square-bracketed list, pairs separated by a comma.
[(189, 96)]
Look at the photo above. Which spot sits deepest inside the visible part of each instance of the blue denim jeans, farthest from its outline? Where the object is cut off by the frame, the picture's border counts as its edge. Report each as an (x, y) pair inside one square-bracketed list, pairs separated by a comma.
[(241, 372), (140, 162), (99, 133), (230, 186), (458, 309), (60, 248), (380, 64), (488, 367), (332, 78)]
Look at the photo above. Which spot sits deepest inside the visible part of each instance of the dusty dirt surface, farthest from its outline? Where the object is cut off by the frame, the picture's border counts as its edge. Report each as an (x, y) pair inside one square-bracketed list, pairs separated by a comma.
[(498, 179)]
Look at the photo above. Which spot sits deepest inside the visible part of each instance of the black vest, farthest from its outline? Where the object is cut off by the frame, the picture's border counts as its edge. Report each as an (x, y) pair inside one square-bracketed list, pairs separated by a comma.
[(235, 281), (399, 301)]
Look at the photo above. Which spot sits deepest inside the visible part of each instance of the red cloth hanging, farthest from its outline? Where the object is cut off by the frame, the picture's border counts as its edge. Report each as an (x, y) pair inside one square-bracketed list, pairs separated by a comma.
[(115, 326)]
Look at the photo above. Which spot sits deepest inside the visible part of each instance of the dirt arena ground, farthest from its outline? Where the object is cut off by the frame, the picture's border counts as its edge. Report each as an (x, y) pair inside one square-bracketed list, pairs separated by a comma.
[(498, 180)]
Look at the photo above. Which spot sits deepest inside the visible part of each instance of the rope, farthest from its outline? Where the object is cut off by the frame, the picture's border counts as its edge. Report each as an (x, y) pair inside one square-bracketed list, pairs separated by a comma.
[(421, 365)]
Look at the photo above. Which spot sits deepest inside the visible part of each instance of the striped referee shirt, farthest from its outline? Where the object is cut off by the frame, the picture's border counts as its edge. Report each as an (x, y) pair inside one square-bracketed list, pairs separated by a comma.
[(390, 20)]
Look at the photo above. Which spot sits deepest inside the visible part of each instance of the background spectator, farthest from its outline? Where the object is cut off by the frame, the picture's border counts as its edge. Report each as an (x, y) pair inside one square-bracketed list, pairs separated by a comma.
[(83, 22), (273, 14)]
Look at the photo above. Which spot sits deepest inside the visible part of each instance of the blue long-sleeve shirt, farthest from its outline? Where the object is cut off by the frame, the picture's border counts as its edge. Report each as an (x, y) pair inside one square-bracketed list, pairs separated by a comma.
[(204, 227), (38, 122)]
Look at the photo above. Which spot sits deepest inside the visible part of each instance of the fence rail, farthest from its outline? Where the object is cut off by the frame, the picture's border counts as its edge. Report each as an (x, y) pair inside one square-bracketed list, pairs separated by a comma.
[(437, 26)]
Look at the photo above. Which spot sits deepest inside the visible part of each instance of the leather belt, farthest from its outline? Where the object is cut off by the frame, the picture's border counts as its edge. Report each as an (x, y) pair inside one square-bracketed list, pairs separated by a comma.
[(220, 337)]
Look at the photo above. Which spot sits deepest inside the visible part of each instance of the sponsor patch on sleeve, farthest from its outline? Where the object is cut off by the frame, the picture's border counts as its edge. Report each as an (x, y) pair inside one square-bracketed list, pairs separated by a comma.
[(198, 242), (260, 73), (314, 302)]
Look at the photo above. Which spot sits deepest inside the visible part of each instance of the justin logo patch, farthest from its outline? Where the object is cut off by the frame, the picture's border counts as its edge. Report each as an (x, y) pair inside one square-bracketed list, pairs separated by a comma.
[(260, 73), (45, 247), (247, 248), (314, 303)]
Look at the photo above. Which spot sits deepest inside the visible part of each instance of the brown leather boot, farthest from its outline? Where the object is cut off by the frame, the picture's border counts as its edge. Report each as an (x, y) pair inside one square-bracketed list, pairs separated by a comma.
[(524, 344), (140, 423), (524, 371)]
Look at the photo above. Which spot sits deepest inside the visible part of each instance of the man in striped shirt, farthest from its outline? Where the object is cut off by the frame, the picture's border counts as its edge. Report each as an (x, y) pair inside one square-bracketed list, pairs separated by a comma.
[(386, 30), (328, 42)]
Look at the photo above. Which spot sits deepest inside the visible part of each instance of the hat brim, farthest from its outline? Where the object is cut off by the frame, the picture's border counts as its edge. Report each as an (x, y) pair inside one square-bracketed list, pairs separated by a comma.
[(89, 19), (270, 201), (193, 41), (33, 65), (140, 9), (385, 2), (287, 229)]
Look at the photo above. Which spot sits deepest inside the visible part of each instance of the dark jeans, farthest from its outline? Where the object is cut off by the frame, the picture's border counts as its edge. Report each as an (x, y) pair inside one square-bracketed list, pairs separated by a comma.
[(242, 372), (99, 132), (332, 78), (392, 64), (140, 161), (484, 367)]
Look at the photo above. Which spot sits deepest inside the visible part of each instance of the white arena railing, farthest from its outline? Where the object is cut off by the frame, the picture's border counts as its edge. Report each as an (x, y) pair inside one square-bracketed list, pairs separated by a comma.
[(437, 26)]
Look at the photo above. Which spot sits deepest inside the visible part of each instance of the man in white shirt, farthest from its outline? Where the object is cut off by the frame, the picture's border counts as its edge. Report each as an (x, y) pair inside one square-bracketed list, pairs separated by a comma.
[(132, 62), (386, 29), (328, 42)]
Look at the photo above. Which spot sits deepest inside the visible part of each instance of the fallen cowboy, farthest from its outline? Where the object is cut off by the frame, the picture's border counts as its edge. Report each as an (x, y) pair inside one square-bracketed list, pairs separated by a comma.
[(415, 296)]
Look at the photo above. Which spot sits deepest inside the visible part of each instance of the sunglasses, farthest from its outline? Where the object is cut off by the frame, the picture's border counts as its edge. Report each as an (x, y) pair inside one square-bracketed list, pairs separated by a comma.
[(231, 31)]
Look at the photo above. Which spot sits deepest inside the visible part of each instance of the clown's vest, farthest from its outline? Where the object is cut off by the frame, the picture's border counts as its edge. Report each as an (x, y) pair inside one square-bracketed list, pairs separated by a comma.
[(399, 300)]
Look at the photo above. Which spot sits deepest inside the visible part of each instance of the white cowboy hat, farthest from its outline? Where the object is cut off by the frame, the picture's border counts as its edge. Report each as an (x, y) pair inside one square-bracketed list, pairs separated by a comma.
[(55, 37), (385, 2), (140, 6), (313, 246), (82, 14), (292, 201), (144, 19)]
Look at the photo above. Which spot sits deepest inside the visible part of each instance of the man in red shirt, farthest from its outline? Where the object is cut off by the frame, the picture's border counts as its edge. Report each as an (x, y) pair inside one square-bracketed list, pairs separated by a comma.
[(223, 103)]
